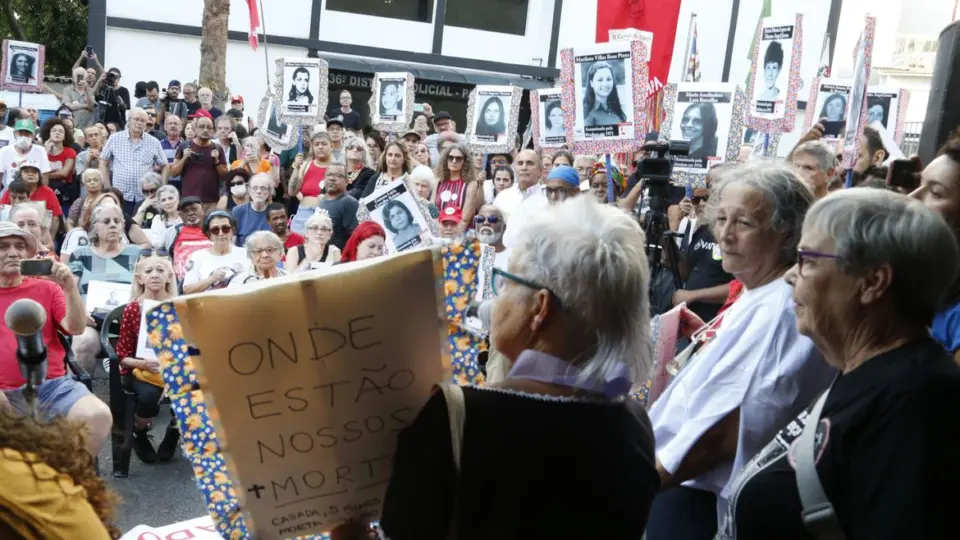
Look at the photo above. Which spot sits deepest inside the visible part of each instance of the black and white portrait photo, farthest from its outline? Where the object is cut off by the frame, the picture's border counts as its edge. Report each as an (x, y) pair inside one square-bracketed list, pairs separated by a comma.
[(603, 92), (882, 106), (301, 84), (396, 210), (702, 116), (273, 128), (831, 107), (390, 104), (773, 62), (550, 111), (491, 112), (23, 65)]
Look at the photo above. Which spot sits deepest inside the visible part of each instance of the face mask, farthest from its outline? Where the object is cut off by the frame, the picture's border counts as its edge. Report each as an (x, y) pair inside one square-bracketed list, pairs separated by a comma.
[(239, 191), (23, 143)]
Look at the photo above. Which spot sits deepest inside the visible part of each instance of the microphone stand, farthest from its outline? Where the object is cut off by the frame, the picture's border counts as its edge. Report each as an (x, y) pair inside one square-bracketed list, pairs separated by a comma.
[(32, 356)]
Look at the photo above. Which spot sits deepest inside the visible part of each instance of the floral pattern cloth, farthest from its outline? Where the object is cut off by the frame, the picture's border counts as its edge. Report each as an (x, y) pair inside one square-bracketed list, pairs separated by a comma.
[(199, 440)]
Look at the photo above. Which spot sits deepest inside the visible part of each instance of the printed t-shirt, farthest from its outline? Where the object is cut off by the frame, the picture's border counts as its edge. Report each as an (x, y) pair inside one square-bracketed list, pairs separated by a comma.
[(189, 240), (200, 177), (204, 263), (10, 159), (57, 162), (49, 295), (42, 194)]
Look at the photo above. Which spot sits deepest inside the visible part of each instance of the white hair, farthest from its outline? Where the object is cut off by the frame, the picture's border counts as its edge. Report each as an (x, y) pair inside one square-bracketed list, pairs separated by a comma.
[(422, 172), (319, 217), (32, 206), (151, 178), (825, 156), (352, 140), (168, 189), (256, 237), (591, 256)]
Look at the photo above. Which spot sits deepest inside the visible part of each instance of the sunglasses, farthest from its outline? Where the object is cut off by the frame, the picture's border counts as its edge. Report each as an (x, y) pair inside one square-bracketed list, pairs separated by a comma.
[(222, 229), (455, 159), (149, 252), (354, 148), (480, 220), (697, 200), (149, 192)]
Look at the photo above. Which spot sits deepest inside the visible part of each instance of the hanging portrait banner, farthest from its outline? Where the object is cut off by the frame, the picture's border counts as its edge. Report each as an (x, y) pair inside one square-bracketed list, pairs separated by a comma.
[(301, 90), (278, 134), (828, 106), (23, 66), (397, 210), (775, 74), (547, 118), (604, 96), (888, 105), (391, 102), (857, 105), (492, 116), (710, 117)]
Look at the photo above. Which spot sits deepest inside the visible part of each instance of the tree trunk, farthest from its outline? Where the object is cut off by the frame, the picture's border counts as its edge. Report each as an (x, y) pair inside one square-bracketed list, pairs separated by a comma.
[(12, 20), (213, 46)]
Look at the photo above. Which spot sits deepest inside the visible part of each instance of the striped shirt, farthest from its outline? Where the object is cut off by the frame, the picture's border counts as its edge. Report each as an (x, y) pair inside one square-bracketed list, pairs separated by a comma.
[(130, 160)]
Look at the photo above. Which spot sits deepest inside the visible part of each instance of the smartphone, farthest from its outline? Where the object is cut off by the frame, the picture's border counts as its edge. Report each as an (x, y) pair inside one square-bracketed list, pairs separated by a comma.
[(833, 128), (89, 50), (418, 107), (904, 174), (36, 267)]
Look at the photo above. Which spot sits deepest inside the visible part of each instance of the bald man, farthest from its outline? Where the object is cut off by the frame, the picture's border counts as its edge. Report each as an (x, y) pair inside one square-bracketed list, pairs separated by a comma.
[(525, 198), (127, 156)]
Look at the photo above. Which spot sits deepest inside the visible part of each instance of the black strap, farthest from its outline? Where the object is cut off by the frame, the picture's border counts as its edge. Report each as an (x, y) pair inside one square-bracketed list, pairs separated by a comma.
[(818, 514)]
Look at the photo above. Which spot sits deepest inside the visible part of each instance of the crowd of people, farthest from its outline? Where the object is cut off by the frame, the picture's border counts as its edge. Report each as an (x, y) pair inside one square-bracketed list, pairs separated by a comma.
[(821, 326)]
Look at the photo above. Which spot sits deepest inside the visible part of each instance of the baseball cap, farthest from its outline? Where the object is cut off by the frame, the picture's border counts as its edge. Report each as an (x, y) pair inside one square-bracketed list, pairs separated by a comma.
[(187, 201), (451, 214), (566, 173), (24, 124), (29, 164), (442, 115), (335, 120), (201, 113), (173, 83), (8, 229), (411, 132), (114, 70), (236, 99)]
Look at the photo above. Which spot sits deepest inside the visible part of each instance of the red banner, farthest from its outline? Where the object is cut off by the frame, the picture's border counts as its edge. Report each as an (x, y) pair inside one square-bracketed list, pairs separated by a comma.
[(657, 16)]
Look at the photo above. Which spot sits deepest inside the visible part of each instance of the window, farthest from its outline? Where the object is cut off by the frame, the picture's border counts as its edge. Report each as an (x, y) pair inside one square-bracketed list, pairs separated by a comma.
[(405, 10), (501, 16)]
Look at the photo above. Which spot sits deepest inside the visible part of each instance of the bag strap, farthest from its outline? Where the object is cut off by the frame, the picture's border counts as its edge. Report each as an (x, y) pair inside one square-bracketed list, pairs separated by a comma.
[(457, 412), (818, 514)]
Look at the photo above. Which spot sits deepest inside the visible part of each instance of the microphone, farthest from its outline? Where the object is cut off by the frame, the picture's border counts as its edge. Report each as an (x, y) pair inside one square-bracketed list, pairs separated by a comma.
[(26, 319)]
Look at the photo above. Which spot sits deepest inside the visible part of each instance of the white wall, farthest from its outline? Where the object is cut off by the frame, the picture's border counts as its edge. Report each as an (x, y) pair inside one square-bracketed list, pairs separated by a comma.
[(341, 27), (713, 27), (529, 49), (284, 18), (578, 25)]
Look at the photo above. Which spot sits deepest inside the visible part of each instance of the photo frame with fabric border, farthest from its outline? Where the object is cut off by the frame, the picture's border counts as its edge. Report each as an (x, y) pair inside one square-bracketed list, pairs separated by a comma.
[(276, 143), (323, 93), (392, 126), (814, 105), (432, 225), (535, 97), (898, 110), (788, 122), (851, 145), (639, 83), (734, 135), (7, 57), (512, 118)]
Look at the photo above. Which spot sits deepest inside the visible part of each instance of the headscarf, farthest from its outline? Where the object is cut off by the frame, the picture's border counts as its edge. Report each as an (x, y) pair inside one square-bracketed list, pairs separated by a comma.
[(367, 229)]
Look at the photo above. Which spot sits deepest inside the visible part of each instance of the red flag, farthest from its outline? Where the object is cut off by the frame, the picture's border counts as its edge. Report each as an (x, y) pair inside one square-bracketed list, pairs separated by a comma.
[(657, 16), (254, 22)]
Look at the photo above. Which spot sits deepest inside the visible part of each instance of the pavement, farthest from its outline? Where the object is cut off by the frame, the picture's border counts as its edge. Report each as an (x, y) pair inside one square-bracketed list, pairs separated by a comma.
[(154, 495)]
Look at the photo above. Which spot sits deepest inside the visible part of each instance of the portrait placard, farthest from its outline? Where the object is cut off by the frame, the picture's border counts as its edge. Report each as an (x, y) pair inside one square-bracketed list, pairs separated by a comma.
[(492, 115), (144, 350), (604, 96), (23, 66), (104, 296), (828, 106), (547, 115), (857, 105), (301, 90), (314, 379), (884, 105), (395, 208), (775, 74), (391, 102), (710, 117), (279, 135)]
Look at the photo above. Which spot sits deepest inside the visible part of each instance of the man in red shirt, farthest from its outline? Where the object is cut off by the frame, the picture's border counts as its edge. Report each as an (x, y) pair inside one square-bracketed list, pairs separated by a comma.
[(278, 219), (59, 394), (29, 173)]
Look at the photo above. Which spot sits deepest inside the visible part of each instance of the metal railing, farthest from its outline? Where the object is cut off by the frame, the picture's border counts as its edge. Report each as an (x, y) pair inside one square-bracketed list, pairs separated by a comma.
[(911, 138)]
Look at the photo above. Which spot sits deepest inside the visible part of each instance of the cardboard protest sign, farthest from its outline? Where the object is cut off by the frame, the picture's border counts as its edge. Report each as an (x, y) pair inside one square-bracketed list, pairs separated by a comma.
[(313, 381)]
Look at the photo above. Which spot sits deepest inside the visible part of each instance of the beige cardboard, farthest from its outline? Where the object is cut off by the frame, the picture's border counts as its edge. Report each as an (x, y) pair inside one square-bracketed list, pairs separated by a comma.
[(309, 379)]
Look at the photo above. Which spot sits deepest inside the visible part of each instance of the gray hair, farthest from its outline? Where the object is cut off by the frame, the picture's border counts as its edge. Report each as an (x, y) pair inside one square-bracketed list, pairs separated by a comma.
[(95, 216), (340, 162), (592, 257), (256, 237), (41, 214), (871, 227), (151, 178), (822, 152), (319, 217), (352, 140), (786, 197), (168, 189)]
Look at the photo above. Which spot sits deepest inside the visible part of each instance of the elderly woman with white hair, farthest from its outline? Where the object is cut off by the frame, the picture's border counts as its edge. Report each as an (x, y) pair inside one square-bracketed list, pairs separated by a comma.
[(424, 182), (750, 371), (571, 315), (158, 210), (317, 251), (264, 249), (880, 446)]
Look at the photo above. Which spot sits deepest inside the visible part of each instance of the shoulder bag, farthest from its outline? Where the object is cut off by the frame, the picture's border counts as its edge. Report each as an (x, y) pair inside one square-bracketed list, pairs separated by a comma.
[(818, 514)]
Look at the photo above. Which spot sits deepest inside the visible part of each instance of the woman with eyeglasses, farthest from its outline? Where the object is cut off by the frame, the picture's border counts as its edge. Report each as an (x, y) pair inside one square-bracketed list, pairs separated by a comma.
[(306, 183), (214, 267), (317, 252), (422, 154), (457, 184), (265, 250), (150, 182), (154, 282), (79, 235), (368, 241), (395, 164), (359, 165), (107, 258)]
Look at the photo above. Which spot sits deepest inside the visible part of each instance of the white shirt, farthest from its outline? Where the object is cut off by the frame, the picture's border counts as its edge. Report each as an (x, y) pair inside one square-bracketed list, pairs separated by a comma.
[(7, 135), (519, 207), (757, 362), (10, 159), (202, 264), (683, 228)]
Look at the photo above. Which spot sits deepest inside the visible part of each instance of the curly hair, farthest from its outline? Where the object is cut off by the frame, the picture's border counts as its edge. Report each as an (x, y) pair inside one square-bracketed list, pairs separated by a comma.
[(54, 121), (61, 443), (468, 172)]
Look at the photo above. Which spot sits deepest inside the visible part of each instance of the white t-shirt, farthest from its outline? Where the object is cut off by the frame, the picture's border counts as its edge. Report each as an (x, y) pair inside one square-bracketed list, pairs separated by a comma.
[(7, 135), (203, 263), (519, 207), (10, 159)]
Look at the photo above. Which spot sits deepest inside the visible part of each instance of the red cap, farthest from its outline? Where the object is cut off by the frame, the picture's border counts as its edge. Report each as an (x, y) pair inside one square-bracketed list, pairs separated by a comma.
[(451, 214), (201, 113), (236, 99)]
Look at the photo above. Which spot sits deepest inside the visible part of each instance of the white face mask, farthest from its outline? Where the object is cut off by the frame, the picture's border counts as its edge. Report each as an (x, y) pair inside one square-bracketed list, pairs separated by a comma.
[(23, 143), (239, 191)]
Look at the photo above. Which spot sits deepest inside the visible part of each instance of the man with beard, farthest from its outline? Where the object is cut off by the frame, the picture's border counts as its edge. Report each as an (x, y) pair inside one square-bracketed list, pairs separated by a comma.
[(341, 207), (184, 239), (525, 198), (490, 225), (200, 164), (278, 219), (252, 216)]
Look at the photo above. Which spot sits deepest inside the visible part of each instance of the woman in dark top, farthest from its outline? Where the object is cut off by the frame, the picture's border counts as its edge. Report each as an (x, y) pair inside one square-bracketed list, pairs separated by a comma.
[(317, 252), (871, 270), (237, 190), (360, 166), (554, 450)]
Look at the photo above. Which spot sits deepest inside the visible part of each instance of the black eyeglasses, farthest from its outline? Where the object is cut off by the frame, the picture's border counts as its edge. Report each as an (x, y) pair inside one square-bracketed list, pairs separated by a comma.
[(697, 200), (149, 252), (480, 220), (557, 193), (354, 147), (500, 277), (149, 192)]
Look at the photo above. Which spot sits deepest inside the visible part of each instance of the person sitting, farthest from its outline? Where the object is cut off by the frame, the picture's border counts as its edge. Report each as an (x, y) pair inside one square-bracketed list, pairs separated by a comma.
[(18, 193), (153, 281), (574, 356), (872, 269), (368, 240), (59, 294), (29, 174), (214, 267), (278, 220), (29, 217), (92, 182), (252, 216), (165, 215), (451, 224), (187, 237), (316, 251), (264, 250), (238, 192), (423, 186)]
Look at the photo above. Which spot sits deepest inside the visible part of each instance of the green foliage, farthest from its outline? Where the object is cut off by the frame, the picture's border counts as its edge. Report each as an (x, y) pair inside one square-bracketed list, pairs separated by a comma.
[(60, 25)]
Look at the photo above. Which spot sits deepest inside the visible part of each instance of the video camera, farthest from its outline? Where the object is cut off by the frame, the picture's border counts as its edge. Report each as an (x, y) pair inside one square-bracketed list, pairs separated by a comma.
[(657, 170)]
